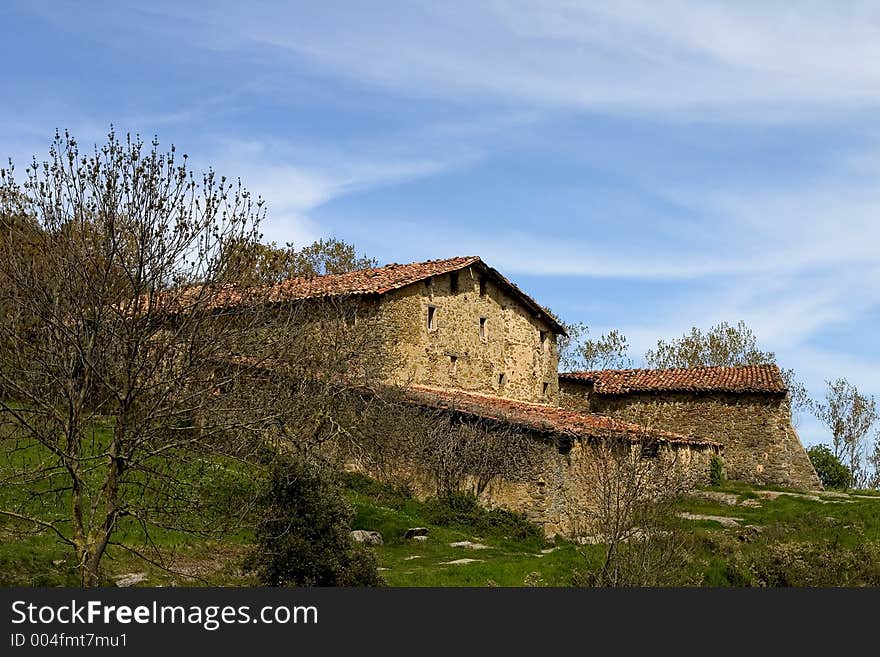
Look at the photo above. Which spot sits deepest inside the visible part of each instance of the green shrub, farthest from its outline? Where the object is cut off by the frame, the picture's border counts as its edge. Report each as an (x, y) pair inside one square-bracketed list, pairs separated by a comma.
[(831, 471), (361, 483), (303, 538), (716, 471), (463, 509), (821, 564)]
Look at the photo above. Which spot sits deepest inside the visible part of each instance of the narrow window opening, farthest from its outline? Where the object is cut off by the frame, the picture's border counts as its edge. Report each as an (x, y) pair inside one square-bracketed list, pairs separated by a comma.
[(453, 364), (482, 328), (432, 318), (502, 379), (351, 316), (453, 282), (545, 389), (650, 449), (482, 286), (542, 339)]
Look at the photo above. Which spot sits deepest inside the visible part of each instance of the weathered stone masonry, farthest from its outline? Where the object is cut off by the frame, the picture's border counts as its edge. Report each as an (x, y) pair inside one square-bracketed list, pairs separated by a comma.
[(760, 444)]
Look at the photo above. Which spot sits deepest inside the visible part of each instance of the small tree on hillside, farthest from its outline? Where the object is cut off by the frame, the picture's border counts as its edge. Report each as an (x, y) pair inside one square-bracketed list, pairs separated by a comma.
[(849, 416), (831, 471), (634, 486), (134, 361), (303, 537)]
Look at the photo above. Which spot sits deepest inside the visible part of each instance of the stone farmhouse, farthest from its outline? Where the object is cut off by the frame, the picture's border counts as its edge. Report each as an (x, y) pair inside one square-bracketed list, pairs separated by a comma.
[(471, 342)]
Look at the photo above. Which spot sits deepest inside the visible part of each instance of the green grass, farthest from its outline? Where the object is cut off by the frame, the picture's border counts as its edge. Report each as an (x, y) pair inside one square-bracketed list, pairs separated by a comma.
[(801, 541)]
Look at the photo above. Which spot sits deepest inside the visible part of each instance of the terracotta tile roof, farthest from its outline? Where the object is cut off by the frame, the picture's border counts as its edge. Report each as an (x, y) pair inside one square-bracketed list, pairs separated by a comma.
[(543, 417), (742, 379), (380, 280), (377, 280)]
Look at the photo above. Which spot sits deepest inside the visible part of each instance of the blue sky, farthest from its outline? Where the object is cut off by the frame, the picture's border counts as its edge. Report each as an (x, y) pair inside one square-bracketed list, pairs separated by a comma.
[(647, 166)]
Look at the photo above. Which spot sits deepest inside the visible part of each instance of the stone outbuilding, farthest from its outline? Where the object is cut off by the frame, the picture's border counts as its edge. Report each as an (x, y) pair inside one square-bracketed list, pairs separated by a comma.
[(747, 409)]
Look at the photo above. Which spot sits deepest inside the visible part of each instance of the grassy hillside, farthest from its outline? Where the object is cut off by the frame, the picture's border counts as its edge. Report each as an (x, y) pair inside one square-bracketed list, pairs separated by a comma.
[(735, 535)]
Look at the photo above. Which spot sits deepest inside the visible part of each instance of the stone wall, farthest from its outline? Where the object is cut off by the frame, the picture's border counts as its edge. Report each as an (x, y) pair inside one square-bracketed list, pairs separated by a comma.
[(559, 491), (760, 444), (561, 496), (506, 357)]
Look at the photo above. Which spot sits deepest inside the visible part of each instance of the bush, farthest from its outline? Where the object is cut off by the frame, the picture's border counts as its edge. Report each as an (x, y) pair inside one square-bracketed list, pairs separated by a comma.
[(831, 471), (303, 538), (463, 509), (823, 564), (360, 483), (716, 471)]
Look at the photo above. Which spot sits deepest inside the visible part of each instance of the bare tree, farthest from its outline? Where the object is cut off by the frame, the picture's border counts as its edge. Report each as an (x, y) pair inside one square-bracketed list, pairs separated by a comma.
[(135, 363), (874, 462), (634, 483), (407, 439), (849, 416)]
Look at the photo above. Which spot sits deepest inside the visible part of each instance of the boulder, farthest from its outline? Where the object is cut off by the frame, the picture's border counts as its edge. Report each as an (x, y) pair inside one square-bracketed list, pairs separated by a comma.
[(367, 537), (412, 532), (130, 579)]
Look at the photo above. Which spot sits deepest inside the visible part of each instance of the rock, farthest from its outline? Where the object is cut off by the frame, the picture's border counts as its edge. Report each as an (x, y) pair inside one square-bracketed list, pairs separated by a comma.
[(130, 579), (367, 537), (420, 539), (589, 540), (767, 494), (717, 496), (469, 545), (458, 562), (57, 562), (753, 504), (549, 550), (533, 579), (412, 556), (412, 532), (724, 521)]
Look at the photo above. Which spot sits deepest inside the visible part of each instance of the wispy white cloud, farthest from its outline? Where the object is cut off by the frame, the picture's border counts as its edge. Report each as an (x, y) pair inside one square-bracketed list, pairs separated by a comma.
[(293, 187), (718, 60)]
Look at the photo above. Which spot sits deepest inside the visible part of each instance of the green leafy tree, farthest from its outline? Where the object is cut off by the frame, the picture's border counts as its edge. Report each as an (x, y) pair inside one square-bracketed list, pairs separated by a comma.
[(304, 537), (831, 471), (270, 263), (578, 351), (723, 344)]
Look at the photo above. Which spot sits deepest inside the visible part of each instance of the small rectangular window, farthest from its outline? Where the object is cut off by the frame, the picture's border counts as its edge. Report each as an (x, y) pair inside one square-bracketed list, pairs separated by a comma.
[(482, 328), (502, 379), (482, 286), (453, 282), (542, 339), (453, 364), (545, 389), (432, 318)]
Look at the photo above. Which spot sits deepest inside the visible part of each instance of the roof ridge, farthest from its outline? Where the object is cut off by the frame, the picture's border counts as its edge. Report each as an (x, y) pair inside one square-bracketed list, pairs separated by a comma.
[(548, 417)]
